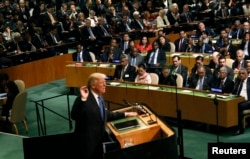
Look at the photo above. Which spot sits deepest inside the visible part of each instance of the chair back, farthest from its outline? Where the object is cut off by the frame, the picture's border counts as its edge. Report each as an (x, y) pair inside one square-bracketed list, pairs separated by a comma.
[(18, 111), (172, 46), (154, 78), (229, 62), (179, 80), (20, 84), (92, 55)]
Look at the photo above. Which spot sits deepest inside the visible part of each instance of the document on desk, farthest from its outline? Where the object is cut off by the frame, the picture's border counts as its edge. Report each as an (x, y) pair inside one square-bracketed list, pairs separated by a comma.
[(218, 96)]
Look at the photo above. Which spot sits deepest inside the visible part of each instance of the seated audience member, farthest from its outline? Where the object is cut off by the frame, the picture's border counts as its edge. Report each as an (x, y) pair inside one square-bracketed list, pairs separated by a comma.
[(165, 78), (142, 75), (144, 46), (181, 43), (124, 71), (162, 22), (4, 77), (112, 53), (201, 81), (12, 90), (202, 47), (187, 18), (222, 62), (241, 89), (237, 31), (164, 44), (248, 68), (124, 43), (135, 58), (199, 61), (155, 59), (224, 83), (228, 49), (239, 62), (131, 47), (219, 42), (214, 62), (177, 67), (52, 38), (81, 54), (190, 45), (202, 27), (245, 45)]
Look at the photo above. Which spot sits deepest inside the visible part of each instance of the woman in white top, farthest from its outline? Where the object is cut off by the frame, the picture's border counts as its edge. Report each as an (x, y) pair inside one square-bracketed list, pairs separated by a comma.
[(143, 76)]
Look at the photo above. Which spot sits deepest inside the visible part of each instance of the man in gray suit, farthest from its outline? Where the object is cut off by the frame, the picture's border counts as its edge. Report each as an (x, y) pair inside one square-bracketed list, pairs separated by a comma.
[(135, 58)]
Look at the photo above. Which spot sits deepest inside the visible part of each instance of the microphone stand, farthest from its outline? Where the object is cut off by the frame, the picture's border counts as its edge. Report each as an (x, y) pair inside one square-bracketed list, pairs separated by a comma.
[(216, 102), (179, 125)]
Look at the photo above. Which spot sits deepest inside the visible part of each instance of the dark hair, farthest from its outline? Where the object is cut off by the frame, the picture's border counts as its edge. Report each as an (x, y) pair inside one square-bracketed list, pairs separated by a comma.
[(142, 66), (176, 56), (147, 40), (199, 58), (13, 89)]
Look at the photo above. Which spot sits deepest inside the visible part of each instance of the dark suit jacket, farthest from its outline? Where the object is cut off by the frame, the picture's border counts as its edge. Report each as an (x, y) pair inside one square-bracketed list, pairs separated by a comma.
[(228, 85), (135, 25), (183, 17), (183, 46), (230, 74), (89, 126), (242, 65), (116, 55), (207, 83), (236, 86), (161, 59), (240, 34), (85, 56), (170, 80), (210, 32), (208, 49), (242, 46), (129, 74), (182, 70)]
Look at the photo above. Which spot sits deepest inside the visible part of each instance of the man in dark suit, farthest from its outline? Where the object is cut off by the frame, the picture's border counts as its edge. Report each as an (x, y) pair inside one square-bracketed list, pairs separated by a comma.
[(165, 78), (81, 55), (199, 61), (155, 59), (245, 45), (201, 81), (112, 53), (228, 49), (186, 19), (203, 47), (177, 67), (181, 43), (224, 83), (242, 89), (222, 62), (239, 62), (103, 32), (90, 118), (124, 71)]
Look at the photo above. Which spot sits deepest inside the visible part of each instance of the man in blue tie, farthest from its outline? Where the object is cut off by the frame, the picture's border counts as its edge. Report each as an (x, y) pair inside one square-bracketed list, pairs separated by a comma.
[(90, 118)]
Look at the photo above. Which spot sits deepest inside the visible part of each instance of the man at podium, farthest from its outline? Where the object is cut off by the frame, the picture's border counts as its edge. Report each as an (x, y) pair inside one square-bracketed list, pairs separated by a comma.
[(90, 118)]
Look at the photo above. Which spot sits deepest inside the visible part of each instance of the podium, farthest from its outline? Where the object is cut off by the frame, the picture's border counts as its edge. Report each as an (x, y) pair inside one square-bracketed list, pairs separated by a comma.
[(144, 136), (152, 139)]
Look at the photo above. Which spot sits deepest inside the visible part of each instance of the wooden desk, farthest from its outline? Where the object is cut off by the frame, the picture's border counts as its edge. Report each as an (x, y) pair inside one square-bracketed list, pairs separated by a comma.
[(194, 105), (40, 71), (77, 76)]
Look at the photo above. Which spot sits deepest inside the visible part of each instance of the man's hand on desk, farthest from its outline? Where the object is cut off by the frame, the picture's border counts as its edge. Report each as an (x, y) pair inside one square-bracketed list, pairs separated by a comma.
[(129, 114)]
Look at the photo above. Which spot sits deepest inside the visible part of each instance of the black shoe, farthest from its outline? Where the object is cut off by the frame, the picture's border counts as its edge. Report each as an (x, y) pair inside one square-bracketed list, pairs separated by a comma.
[(238, 132)]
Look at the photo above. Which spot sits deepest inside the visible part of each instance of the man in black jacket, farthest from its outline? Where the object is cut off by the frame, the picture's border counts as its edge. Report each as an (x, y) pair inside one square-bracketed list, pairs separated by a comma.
[(124, 71)]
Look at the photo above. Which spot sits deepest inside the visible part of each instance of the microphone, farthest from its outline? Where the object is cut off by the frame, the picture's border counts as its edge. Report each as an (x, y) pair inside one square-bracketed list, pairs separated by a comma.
[(142, 110), (126, 102)]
